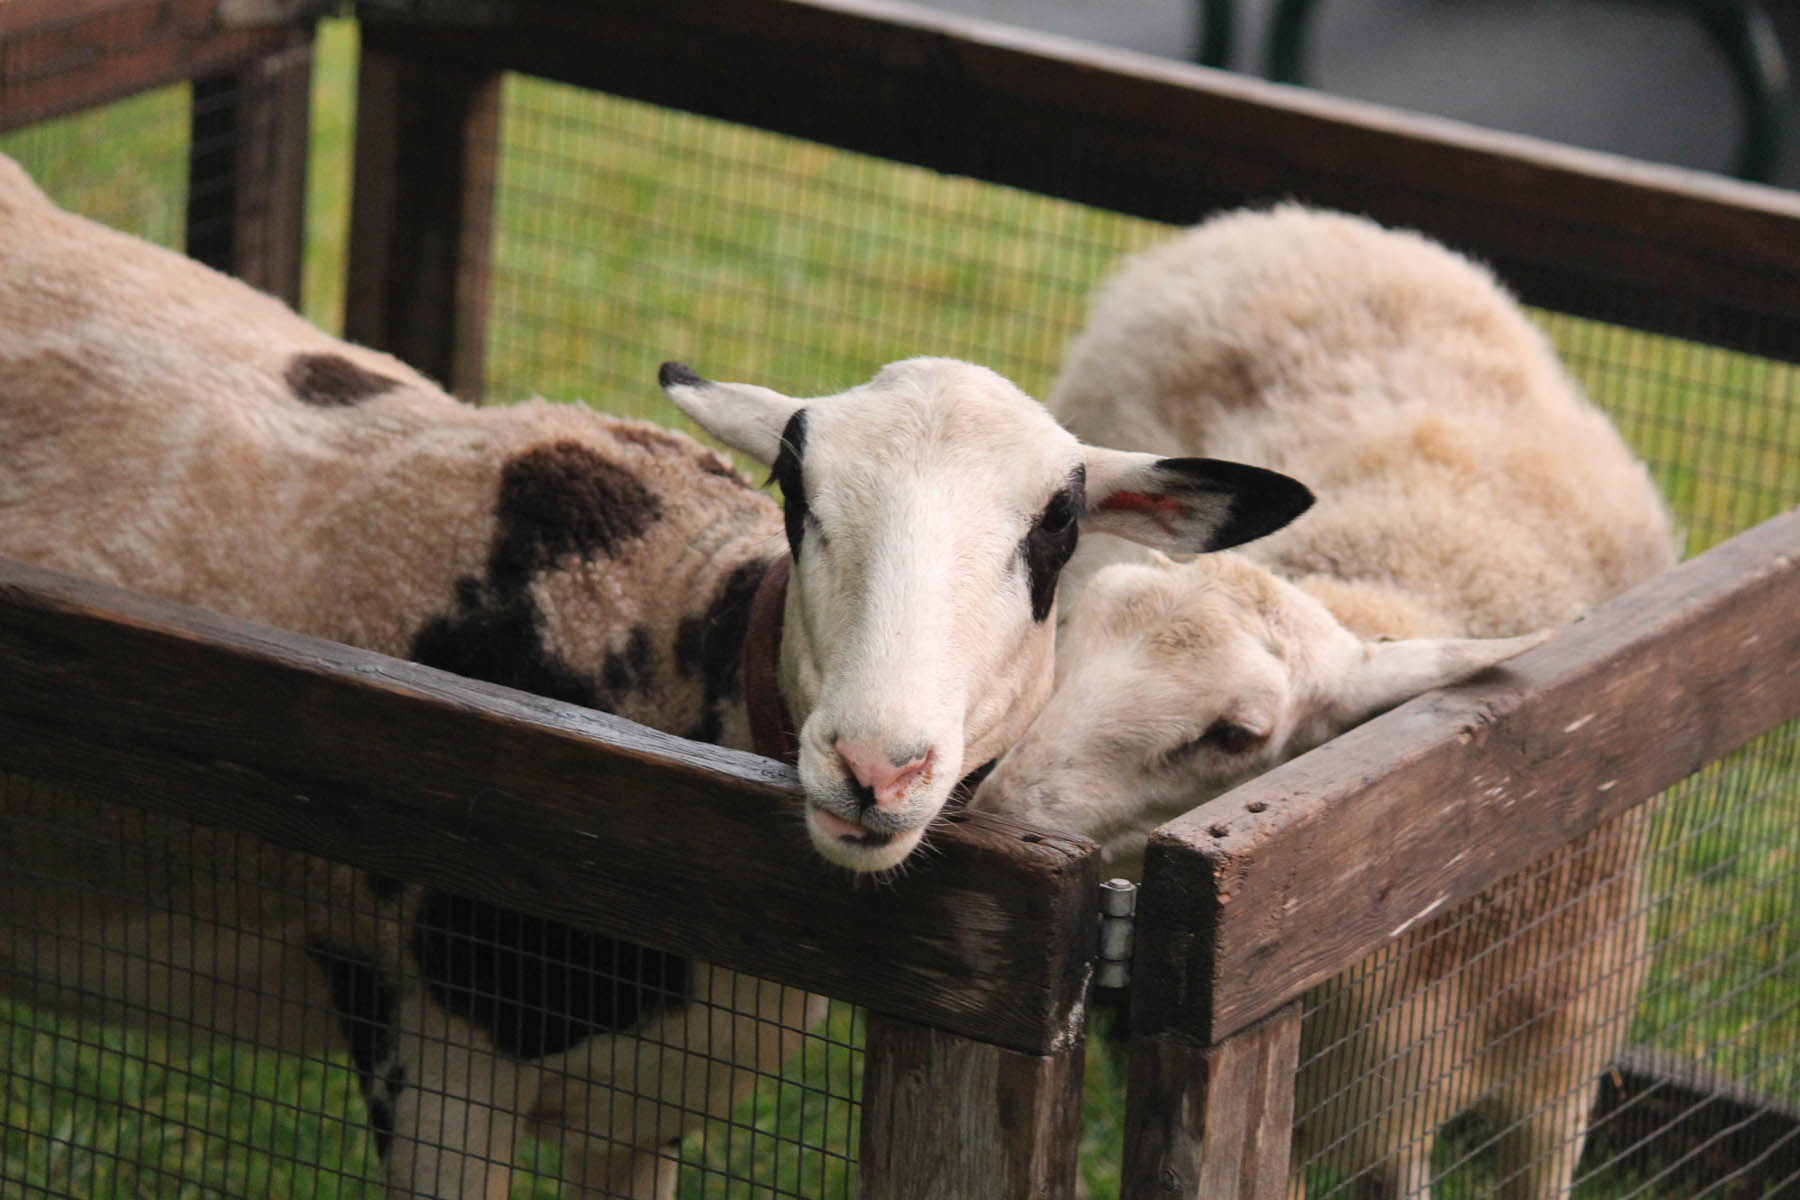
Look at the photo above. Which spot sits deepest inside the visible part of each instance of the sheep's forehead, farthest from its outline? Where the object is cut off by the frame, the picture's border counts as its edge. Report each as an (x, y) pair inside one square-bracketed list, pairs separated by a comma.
[(1183, 618), (952, 424)]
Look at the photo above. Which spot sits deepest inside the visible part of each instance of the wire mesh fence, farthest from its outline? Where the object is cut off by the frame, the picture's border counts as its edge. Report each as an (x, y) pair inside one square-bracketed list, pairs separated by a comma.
[(626, 234), (195, 1012), (1619, 1018), (1623, 1015)]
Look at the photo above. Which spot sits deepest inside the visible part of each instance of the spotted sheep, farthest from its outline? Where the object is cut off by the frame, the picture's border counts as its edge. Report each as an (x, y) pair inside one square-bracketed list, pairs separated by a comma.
[(1469, 500), (169, 430)]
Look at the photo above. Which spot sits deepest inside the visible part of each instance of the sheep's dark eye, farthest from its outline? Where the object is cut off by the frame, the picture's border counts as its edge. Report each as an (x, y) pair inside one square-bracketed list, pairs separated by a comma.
[(1233, 738), (1222, 736), (1059, 514), (1049, 542)]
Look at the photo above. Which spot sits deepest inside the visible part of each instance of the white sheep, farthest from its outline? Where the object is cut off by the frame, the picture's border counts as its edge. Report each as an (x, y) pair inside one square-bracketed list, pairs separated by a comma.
[(1468, 495), (167, 429)]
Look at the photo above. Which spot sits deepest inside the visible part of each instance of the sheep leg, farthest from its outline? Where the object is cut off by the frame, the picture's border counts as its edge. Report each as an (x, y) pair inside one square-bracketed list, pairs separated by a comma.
[(618, 1097), (630, 1172), (455, 1109), (1538, 1153), (1404, 1176)]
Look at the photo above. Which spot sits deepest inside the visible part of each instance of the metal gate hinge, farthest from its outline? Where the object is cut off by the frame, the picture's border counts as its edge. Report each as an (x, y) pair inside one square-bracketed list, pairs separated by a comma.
[(1118, 907)]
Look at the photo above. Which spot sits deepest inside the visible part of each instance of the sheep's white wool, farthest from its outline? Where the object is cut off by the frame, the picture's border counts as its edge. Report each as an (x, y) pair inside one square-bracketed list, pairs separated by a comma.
[(170, 430), (1470, 498)]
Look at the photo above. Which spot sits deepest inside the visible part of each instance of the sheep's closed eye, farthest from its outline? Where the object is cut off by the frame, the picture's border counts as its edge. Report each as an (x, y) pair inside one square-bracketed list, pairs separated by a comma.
[(1232, 738), (1222, 737)]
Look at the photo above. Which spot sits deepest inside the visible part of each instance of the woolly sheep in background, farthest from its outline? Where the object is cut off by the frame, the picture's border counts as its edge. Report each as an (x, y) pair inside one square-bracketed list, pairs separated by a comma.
[(1469, 499)]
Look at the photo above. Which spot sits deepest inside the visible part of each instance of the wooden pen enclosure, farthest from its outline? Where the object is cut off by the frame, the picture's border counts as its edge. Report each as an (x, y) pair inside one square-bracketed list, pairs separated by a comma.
[(549, 197)]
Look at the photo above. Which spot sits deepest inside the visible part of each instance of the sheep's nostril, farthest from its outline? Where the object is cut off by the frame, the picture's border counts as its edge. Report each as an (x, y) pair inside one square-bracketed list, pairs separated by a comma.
[(879, 779)]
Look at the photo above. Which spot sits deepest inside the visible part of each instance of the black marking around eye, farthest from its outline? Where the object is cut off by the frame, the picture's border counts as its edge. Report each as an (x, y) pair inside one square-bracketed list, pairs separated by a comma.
[(1050, 541), (786, 472)]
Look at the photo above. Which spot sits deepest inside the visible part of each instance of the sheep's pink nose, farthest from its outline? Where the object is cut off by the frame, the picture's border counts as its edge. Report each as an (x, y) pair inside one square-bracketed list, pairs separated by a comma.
[(874, 767)]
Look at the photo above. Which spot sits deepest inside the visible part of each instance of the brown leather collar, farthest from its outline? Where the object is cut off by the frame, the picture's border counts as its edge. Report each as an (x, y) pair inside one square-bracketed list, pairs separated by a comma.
[(772, 732)]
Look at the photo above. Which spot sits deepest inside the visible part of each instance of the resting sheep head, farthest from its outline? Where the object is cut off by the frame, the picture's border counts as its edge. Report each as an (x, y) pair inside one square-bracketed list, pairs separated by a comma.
[(928, 514), (1177, 681)]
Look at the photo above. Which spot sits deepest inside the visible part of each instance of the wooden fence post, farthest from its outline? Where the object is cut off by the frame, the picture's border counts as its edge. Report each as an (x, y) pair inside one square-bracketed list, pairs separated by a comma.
[(246, 205), (422, 212), (945, 1115), (1212, 1122)]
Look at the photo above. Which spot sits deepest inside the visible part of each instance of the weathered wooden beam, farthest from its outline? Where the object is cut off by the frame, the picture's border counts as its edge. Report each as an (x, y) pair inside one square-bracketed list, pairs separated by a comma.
[(1212, 1122), (247, 171), (1290, 878), (422, 212), (535, 804), (59, 56), (1579, 231), (946, 1116)]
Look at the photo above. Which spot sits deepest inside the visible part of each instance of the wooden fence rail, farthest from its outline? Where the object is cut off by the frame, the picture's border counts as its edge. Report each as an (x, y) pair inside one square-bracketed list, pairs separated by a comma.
[(1578, 231), (535, 804)]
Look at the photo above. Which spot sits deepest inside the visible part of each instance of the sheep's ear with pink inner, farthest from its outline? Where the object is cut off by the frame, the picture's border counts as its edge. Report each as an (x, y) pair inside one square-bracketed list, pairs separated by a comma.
[(742, 415), (1188, 505)]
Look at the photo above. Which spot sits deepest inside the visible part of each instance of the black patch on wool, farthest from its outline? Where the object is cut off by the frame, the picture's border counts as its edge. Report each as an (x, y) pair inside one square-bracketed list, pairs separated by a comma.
[(556, 502), (537, 986), (540, 986), (497, 634), (560, 500), (333, 381), (366, 1004), (632, 669), (710, 647)]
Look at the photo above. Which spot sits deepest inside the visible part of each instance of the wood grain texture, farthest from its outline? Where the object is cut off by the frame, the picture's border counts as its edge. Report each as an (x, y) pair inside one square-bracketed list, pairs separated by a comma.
[(535, 804), (1212, 1122), (59, 56), (421, 214), (247, 171), (1583, 232), (946, 1116), (1295, 875)]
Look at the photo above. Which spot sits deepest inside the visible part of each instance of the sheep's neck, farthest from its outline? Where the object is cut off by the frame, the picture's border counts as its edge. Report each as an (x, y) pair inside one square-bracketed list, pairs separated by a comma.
[(772, 731)]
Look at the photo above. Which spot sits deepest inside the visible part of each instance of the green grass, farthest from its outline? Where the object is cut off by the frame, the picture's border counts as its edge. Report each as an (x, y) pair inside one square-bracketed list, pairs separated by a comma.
[(93, 1110), (625, 235)]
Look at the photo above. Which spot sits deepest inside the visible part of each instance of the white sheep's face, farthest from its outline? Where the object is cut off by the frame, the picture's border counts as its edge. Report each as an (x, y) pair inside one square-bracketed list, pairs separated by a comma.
[(929, 513), (1175, 682)]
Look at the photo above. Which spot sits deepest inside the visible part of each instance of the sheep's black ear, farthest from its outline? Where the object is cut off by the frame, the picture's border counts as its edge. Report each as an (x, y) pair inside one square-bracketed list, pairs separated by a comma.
[(1187, 504)]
